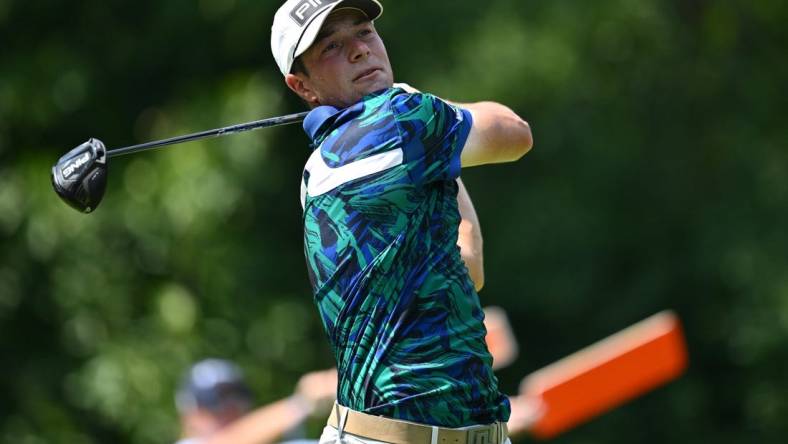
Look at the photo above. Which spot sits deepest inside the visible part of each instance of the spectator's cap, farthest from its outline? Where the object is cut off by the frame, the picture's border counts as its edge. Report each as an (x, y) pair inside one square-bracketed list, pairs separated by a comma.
[(297, 23), (212, 384)]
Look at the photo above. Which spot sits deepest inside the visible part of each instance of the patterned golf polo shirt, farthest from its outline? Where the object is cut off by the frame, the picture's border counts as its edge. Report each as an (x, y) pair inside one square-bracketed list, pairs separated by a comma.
[(379, 194)]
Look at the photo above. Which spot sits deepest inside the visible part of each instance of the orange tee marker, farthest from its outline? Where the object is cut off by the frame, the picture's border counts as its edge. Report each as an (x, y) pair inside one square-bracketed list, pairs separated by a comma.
[(606, 374)]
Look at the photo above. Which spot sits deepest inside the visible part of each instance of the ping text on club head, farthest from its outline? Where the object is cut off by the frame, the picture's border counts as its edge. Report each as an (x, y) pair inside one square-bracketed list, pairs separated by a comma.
[(75, 165)]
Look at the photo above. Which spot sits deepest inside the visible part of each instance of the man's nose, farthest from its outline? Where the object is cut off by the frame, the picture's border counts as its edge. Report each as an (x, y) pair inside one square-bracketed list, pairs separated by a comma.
[(358, 50)]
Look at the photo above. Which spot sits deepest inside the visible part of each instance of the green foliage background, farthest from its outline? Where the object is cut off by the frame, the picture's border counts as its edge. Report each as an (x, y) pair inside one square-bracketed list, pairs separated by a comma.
[(659, 179)]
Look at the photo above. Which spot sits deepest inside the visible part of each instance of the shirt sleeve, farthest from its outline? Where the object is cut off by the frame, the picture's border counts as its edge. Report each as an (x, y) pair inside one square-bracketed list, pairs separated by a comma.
[(434, 133)]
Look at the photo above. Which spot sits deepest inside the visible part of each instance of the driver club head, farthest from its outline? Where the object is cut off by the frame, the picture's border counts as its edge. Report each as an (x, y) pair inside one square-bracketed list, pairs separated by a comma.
[(80, 176)]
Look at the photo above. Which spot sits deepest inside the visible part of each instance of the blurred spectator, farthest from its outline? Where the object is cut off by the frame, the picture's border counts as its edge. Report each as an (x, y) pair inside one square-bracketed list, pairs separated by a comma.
[(215, 406)]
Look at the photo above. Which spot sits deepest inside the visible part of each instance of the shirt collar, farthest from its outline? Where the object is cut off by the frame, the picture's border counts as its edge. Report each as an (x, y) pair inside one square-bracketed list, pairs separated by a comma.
[(317, 118), (321, 118)]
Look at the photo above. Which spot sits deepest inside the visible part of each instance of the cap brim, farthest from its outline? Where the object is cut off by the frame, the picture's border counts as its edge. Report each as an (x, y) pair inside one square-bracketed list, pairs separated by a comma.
[(371, 8)]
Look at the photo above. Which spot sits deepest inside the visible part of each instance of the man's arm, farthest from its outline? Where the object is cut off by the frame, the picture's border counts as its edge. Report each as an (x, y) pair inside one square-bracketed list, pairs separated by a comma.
[(498, 135), (470, 237)]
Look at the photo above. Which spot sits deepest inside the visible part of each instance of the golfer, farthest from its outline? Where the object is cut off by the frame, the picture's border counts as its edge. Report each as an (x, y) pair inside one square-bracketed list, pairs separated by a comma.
[(393, 273)]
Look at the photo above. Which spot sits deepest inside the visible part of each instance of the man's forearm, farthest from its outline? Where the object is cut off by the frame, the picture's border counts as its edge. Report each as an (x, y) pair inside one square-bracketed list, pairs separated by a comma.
[(470, 237)]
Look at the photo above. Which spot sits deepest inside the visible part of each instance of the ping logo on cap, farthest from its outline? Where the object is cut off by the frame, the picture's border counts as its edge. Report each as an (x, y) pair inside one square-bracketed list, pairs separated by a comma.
[(305, 9)]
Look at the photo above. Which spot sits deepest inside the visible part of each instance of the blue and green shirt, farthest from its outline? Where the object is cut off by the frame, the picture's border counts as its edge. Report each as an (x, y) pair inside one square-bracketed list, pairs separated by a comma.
[(380, 237)]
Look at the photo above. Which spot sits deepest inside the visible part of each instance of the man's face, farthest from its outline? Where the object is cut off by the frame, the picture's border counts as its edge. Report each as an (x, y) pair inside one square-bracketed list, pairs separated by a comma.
[(346, 62)]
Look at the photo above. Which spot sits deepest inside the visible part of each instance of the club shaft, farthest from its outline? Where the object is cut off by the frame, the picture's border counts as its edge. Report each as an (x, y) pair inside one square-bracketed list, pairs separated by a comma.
[(265, 123)]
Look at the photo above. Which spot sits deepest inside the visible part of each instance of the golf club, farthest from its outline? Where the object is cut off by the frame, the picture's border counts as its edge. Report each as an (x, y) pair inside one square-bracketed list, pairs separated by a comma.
[(80, 176)]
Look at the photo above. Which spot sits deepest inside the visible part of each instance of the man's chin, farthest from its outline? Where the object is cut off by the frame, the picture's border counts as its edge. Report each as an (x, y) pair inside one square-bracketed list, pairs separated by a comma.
[(359, 92), (376, 86)]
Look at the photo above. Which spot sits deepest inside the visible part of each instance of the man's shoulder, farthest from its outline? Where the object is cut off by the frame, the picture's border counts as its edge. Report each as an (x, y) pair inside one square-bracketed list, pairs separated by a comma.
[(373, 122), (419, 107), (392, 100), (403, 102)]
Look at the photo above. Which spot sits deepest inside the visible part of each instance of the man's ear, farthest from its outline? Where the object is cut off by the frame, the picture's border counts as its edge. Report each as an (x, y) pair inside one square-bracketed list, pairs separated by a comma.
[(300, 85)]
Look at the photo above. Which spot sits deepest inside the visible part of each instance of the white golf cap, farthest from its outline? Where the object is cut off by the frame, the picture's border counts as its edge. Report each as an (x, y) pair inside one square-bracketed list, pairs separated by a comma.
[(297, 23)]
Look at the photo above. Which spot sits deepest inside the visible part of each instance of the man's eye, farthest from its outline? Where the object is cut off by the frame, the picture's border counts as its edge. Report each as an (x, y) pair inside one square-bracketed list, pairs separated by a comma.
[(329, 47), (365, 32)]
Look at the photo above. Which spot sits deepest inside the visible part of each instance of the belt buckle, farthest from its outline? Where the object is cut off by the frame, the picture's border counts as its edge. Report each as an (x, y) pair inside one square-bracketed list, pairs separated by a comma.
[(480, 436)]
